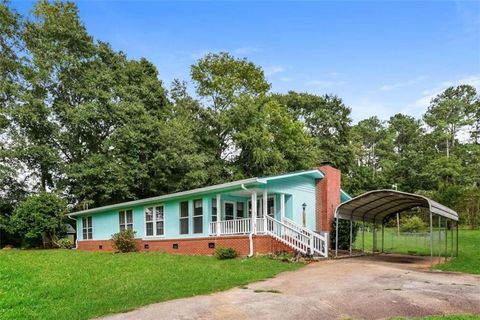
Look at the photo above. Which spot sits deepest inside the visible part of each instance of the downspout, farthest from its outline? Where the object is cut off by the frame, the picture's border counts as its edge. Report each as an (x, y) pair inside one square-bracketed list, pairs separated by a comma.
[(250, 236), (76, 240)]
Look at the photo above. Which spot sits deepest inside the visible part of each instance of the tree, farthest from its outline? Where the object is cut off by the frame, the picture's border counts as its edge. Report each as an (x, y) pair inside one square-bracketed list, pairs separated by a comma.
[(221, 78), (327, 120), (449, 112), (40, 219), (267, 139)]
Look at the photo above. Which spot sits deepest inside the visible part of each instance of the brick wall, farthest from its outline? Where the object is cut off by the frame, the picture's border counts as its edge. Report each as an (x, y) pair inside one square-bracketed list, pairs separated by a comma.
[(198, 246), (327, 197)]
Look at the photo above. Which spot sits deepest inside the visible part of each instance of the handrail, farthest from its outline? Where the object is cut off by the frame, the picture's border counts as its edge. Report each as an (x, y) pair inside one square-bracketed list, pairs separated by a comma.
[(288, 232)]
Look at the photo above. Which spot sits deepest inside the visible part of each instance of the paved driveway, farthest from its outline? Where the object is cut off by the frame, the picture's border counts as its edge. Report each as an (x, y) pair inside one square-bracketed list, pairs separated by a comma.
[(359, 288)]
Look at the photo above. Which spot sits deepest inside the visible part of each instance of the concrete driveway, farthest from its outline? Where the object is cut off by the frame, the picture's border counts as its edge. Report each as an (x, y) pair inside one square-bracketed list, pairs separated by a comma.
[(359, 288)]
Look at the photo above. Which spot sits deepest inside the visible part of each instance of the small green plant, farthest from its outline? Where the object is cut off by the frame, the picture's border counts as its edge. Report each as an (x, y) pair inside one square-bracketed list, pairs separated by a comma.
[(225, 253), (65, 243), (412, 224), (124, 241), (284, 256)]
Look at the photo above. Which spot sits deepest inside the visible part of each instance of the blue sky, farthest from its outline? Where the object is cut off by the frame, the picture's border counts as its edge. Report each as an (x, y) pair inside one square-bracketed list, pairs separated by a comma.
[(381, 58)]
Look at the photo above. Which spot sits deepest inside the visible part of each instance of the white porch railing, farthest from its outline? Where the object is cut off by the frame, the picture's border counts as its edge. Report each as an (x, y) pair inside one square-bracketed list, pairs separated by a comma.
[(230, 227), (288, 232), (319, 241)]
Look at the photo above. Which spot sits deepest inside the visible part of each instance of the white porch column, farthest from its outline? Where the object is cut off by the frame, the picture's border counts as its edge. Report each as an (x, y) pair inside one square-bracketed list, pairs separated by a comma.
[(265, 209), (219, 212), (253, 218), (282, 206)]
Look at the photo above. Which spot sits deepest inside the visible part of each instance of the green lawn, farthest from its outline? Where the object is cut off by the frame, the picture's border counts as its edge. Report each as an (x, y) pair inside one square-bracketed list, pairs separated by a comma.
[(469, 248), (68, 284)]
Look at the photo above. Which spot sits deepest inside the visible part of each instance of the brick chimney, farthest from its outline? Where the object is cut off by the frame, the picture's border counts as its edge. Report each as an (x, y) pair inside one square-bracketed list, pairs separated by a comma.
[(327, 197)]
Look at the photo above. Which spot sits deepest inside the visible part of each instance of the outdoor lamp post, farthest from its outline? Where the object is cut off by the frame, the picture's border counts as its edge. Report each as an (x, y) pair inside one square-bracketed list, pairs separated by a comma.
[(304, 215)]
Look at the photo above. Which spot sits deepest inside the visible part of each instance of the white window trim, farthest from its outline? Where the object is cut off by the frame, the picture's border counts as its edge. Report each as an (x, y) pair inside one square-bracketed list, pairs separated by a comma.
[(133, 218), (234, 209), (154, 221), (83, 226), (194, 216), (188, 217)]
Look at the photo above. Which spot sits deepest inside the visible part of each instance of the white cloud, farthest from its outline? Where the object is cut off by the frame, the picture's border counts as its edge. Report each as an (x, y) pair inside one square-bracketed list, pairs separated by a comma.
[(428, 95), (324, 83), (335, 74), (270, 71), (246, 50), (411, 82), (366, 108)]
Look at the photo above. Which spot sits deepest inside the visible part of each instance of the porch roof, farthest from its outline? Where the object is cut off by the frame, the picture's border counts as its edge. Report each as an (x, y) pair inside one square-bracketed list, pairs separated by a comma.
[(223, 187)]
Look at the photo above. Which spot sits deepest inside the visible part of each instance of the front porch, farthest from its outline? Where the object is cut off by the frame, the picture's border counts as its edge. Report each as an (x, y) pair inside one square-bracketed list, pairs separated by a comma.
[(268, 216), (233, 213)]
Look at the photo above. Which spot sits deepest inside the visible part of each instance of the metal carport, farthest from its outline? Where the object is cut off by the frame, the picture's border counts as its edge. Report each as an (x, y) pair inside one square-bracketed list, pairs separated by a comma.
[(378, 205)]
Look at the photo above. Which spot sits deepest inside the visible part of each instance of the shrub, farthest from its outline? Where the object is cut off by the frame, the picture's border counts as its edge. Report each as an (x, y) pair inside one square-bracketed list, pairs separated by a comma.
[(124, 241), (412, 224), (65, 243), (39, 219), (344, 233), (225, 253)]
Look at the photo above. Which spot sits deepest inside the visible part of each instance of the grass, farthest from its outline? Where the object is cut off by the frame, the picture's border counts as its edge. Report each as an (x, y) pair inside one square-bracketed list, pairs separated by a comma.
[(68, 284), (468, 259)]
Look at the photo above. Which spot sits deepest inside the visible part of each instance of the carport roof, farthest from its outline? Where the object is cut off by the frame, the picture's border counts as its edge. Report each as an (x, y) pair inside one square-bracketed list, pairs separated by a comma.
[(376, 205)]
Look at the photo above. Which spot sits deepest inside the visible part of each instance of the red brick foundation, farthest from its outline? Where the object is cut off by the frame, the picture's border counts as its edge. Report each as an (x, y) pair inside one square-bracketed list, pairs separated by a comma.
[(196, 246)]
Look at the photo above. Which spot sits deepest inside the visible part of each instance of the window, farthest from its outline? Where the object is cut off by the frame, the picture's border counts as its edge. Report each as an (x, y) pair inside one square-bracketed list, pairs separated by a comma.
[(259, 208), (87, 228), (214, 209), (198, 216), (271, 206), (125, 219), (154, 221), (240, 212), (229, 210), (184, 217)]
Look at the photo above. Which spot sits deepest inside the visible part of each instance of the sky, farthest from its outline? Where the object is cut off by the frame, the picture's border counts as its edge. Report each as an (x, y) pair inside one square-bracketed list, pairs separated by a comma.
[(380, 57)]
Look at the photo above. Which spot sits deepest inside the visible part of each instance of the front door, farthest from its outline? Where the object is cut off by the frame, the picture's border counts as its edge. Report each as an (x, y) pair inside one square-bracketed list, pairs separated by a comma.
[(229, 210)]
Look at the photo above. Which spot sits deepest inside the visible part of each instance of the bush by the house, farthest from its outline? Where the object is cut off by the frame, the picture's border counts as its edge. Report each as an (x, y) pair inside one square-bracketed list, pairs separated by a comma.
[(225, 253), (412, 224), (344, 233), (65, 243), (124, 241)]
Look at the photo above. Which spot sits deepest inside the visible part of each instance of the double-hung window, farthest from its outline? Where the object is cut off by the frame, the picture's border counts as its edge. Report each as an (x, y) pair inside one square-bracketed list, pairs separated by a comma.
[(240, 210), (125, 218), (154, 221), (214, 209), (87, 230), (184, 217), (198, 216)]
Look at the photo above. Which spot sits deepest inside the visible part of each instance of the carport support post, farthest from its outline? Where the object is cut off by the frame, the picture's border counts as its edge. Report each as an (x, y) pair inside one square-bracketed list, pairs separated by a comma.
[(439, 238), (451, 239), (456, 255), (363, 235), (446, 239), (383, 234), (431, 239), (351, 232), (336, 234)]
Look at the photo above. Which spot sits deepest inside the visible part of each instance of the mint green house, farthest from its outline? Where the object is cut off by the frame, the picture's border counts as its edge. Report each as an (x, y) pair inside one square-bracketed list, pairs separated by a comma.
[(289, 211)]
